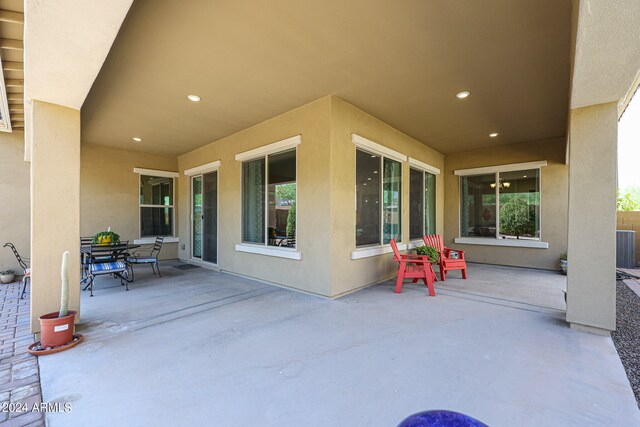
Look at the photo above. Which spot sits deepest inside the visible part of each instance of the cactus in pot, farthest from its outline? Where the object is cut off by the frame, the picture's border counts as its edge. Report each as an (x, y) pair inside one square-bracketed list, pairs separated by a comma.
[(64, 275), (56, 328)]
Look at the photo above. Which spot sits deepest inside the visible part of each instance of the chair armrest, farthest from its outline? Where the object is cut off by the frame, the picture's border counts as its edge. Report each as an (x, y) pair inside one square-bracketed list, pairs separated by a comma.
[(447, 251)]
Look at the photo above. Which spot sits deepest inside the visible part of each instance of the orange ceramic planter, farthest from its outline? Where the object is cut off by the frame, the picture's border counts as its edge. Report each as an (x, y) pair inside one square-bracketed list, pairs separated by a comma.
[(56, 331)]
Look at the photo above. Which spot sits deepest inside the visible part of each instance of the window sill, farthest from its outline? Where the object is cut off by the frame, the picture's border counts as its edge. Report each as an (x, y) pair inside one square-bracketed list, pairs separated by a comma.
[(415, 243), (151, 240), (514, 243), (375, 251), (269, 251)]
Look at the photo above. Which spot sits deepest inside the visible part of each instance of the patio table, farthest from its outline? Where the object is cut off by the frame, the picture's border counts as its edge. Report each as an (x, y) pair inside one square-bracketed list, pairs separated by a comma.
[(115, 248)]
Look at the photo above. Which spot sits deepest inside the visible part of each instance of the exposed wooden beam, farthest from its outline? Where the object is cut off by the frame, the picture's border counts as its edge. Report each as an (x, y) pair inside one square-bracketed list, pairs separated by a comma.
[(12, 17), (14, 83), (15, 97), (11, 44), (16, 110), (12, 66), (17, 118)]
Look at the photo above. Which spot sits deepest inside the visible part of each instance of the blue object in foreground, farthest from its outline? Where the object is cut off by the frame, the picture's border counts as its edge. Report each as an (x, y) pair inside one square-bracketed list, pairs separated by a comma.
[(440, 418)]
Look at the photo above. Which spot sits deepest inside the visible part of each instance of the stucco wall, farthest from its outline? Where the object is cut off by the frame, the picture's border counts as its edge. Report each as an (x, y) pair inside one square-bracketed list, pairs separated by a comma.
[(55, 206), (109, 191), (312, 272), (591, 284), (554, 202), (15, 215), (348, 274)]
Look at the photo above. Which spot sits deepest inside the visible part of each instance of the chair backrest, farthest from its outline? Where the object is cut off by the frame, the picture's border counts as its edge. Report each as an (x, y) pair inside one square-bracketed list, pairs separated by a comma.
[(435, 241), (157, 246), (21, 261), (86, 241), (396, 253)]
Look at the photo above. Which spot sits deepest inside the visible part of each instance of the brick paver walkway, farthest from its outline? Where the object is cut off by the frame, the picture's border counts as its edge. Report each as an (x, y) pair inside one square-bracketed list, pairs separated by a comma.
[(19, 375)]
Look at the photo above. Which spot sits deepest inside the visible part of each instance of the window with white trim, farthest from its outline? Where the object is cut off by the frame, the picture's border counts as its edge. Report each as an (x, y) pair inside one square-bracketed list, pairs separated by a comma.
[(269, 199), (156, 205), (502, 205), (378, 198)]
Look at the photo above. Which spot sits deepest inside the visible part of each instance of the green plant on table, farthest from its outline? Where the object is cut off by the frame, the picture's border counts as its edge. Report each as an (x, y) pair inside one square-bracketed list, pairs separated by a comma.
[(105, 237), (563, 256), (429, 251)]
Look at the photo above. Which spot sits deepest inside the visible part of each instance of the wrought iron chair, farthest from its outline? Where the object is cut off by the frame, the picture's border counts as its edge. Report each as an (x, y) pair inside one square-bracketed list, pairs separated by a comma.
[(151, 259), (23, 264), (103, 260), (85, 243)]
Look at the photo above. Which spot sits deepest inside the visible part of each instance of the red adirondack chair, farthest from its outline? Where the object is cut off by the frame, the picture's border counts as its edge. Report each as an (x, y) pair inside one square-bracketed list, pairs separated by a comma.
[(413, 267), (446, 262)]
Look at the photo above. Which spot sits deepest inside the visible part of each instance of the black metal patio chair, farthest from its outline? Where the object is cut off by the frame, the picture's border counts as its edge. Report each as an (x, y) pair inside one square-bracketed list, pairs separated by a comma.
[(151, 258), (107, 260), (25, 267)]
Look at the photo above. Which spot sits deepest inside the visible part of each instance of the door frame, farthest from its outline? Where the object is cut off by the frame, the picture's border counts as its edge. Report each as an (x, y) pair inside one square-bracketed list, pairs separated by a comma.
[(200, 173)]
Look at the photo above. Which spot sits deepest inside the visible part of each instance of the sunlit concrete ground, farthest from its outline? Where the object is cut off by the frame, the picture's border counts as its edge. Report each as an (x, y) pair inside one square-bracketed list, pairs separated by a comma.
[(199, 347)]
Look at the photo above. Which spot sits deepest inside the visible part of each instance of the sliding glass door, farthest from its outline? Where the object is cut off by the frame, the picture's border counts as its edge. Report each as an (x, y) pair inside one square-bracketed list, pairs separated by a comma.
[(204, 208)]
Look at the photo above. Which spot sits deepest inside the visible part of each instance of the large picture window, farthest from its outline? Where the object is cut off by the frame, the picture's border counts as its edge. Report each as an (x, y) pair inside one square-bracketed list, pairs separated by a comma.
[(422, 203), (269, 200), (501, 205), (378, 199), (156, 206)]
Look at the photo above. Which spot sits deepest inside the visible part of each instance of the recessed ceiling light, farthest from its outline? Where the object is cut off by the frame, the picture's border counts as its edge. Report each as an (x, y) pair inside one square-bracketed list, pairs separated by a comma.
[(194, 98), (137, 139), (375, 171), (524, 176), (463, 94), (493, 135)]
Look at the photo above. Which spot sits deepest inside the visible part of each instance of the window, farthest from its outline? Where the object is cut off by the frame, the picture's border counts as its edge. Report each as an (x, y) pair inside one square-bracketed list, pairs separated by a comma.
[(422, 203), (501, 205), (378, 199), (269, 200), (156, 206)]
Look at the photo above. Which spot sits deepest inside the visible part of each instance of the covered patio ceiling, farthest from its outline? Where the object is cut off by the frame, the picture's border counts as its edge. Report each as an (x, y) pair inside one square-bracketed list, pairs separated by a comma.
[(402, 62)]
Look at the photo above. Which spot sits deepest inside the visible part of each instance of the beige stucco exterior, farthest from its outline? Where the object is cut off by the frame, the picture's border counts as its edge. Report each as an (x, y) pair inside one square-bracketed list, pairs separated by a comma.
[(55, 207), (591, 290), (347, 274), (326, 195), (15, 206), (554, 187), (312, 272), (109, 191)]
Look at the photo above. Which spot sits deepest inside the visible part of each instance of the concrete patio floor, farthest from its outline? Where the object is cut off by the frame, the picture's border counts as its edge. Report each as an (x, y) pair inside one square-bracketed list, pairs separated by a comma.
[(200, 347)]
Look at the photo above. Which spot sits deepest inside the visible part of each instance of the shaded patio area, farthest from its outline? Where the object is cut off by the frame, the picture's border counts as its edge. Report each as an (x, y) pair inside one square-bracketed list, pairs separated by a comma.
[(198, 344)]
